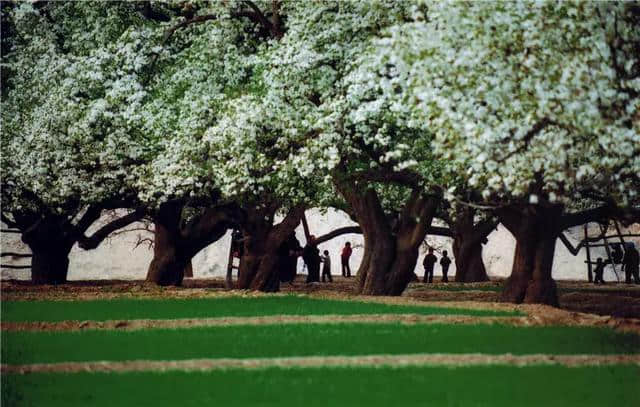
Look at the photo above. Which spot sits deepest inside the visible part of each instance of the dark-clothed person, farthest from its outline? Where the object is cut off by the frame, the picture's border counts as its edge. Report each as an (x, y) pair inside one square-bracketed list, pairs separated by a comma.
[(445, 262), (344, 259), (428, 263), (288, 254), (311, 257), (599, 271), (616, 254), (631, 263), (326, 266)]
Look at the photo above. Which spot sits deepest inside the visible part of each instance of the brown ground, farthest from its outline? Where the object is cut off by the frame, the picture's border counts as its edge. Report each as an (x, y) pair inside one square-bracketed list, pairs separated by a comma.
[(437, 359), (618, 300), (617, 306)]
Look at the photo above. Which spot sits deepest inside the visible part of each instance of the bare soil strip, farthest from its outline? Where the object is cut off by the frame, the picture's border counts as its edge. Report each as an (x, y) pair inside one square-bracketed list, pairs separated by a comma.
[(534, 319), (137, 324), (452, 360)]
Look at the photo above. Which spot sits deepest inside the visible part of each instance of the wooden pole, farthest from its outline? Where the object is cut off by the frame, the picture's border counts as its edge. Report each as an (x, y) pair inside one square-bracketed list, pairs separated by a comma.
[(608, 249), (586, 240), (228, 283)]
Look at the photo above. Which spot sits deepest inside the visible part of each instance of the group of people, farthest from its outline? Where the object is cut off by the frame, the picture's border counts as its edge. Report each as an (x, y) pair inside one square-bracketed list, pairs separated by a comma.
[(630, 261), (429, 263), (312, 259)]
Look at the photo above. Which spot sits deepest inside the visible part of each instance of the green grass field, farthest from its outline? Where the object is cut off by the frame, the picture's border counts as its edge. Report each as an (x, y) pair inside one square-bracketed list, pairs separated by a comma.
[(491, 386), (308, 340), (102, 310), (487, 385)]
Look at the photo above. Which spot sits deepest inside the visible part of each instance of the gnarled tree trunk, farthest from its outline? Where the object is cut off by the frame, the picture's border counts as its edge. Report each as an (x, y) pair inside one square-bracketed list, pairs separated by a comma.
[(535, 229), (50, 240), (169, 257), (175, 244), (50, 266), (50, 236), (467, 246), (391, 253), (261, 258)]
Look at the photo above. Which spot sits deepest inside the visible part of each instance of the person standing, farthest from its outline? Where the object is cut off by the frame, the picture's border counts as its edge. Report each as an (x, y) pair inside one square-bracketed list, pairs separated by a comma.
[(344, 259), (599, 271), (445, 262), (326, 266), (631, 264), (428, 263), (311, 257)]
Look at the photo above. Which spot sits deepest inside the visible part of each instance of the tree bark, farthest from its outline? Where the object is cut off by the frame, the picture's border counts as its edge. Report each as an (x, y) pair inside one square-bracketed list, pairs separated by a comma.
[(535, 229), (169, 260), (467, 246), (391, 251), (542, 288), (261, 258), (50, 240), (175, 244), (469, 264), (50, 266)]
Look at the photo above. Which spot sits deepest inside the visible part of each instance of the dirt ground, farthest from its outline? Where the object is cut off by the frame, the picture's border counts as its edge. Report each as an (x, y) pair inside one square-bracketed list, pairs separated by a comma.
[(615, 305), (450, 360)]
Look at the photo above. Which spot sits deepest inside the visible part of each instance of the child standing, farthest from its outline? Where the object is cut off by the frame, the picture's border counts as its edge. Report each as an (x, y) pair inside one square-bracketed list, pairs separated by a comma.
[(599, 271), (445, 262), (344, 257), (326, 267)]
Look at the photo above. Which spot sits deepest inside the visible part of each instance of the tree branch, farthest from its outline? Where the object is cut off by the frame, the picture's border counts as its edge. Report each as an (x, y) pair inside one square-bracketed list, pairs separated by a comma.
[(534, 131), (402, 177), (590, 215), (439, 231), (94, 240), (338, 232), (264, 21), (194, 20), (91, 215)]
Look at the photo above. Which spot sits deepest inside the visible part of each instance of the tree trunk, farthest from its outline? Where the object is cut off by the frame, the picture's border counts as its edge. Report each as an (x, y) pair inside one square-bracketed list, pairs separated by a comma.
[(535, 229), (515, 287), (262, 256), (169, 263), (255, 233), (50, 240), (469, 264), (542, 288), (188, 269), (403, 269), (176, 244), (50, 265), (267, 277), (467, 246), (390, 253)]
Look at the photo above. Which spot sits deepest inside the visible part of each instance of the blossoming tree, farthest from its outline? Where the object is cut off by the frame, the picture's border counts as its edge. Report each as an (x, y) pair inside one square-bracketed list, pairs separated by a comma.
[(66, 154), (536, 106)]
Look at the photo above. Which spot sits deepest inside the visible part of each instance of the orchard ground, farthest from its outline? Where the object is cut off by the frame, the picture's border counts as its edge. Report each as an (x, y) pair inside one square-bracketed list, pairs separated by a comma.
[(100, 342)]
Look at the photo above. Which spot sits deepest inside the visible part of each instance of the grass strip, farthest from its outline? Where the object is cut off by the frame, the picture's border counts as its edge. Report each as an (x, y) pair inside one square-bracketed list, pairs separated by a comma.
[(309, 340), (493, 386), (122, 309)]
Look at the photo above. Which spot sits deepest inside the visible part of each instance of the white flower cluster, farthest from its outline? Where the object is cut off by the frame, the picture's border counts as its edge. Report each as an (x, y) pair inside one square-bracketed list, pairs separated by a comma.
[(515, 100)]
